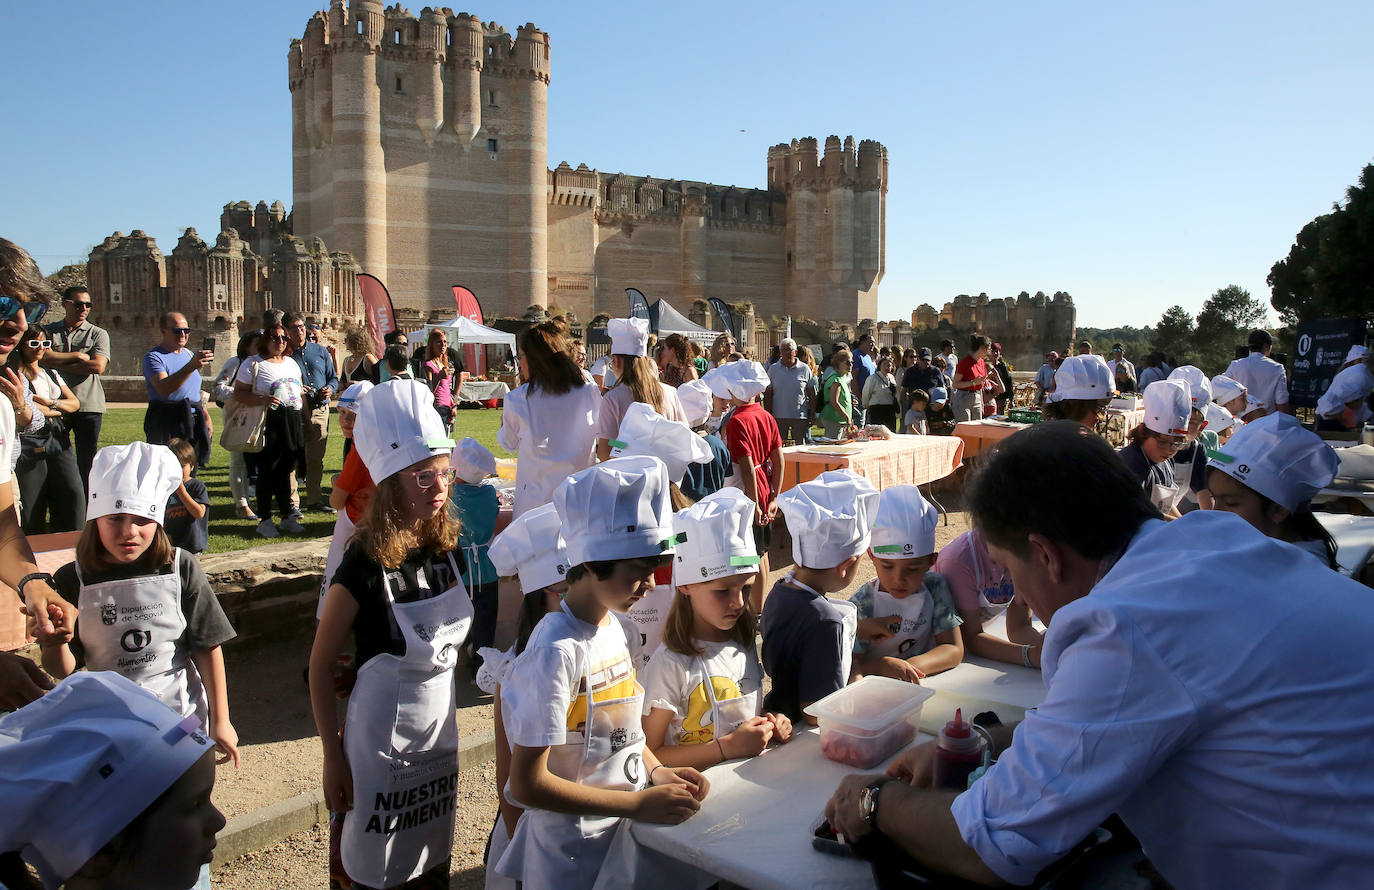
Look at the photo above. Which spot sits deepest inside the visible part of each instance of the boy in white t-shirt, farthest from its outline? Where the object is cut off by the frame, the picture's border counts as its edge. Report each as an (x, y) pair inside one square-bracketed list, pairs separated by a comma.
[(571, 704)]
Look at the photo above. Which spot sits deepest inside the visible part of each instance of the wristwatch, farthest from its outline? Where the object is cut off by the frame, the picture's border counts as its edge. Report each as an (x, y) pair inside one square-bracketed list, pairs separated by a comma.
[(19, 588), (868, 802)]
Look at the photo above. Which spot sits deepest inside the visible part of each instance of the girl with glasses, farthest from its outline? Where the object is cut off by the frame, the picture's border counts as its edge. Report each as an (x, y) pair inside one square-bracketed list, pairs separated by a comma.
[(398, 590), (273, 379), (51, 494)]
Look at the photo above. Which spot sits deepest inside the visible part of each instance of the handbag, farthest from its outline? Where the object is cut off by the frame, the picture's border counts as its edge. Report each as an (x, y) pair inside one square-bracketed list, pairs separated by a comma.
[(245, 426)]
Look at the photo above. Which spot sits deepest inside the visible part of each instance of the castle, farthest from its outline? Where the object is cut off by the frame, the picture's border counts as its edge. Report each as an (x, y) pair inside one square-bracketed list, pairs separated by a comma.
[(255, 263), (419, 146), (1026, 326)]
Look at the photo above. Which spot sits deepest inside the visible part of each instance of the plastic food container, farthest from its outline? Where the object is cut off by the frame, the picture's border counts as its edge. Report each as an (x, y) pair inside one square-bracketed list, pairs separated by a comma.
[(867, 722), (505, 468)]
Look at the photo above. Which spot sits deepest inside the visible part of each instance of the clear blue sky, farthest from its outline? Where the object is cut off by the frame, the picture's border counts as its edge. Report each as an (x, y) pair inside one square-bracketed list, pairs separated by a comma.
[(1134, 157)]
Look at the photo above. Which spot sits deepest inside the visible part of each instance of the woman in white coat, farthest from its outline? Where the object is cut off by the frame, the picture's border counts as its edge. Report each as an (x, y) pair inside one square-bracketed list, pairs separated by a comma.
[(550, 420)]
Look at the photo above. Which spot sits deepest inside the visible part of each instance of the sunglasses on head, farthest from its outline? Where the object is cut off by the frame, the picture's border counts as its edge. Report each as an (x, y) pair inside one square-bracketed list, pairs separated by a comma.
[(11, 306)]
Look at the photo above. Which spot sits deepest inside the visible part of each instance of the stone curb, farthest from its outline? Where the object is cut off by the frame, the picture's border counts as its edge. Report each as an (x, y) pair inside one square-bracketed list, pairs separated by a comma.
[(262, 828)]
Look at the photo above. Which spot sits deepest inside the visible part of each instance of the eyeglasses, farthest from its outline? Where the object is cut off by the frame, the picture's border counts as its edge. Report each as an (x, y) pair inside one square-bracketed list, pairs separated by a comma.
[(426, 479), (1174, 442), (81, 305), (180, 331), (276, 338), (12, 306), (38, 344)]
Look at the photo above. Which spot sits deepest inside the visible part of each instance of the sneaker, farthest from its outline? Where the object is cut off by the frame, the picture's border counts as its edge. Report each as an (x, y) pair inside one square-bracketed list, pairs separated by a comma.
[(267, 529), (295, 514), (292, 526), (320, 508), (246, 512)]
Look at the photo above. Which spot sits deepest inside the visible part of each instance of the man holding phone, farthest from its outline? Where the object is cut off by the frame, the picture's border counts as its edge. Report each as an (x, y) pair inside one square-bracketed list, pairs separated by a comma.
[(80, 353), (172, 372)]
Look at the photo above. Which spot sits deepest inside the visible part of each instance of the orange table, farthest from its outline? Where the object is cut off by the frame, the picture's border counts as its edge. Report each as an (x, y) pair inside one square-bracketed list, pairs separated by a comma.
[(983, 435), (901, 460)]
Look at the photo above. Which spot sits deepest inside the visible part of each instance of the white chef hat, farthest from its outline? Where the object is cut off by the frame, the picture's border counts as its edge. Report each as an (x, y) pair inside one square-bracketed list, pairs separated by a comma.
[(1199, 387), (398, 426), (1219, 420), (1347, 386), (473, 461), (136, 478), (718, 380), (1278, 458), (532, 545), (82, 762), (629, 336), (905, 524), (695, 396), (829, 518), (714, 538), (1356, 353), (348, 400), (617, 509), (1083, 377), (743, 379), (644, 431), (1224, 389), (1168, 405)]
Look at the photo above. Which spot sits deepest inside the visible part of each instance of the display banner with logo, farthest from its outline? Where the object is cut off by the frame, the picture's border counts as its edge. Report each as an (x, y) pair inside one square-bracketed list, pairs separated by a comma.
[(474, 355), (381, 317), (1320, 351)]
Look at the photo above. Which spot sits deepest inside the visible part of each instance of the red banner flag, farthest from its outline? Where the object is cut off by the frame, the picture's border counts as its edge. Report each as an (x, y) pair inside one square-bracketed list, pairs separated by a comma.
[(474, 355), (381, 318)]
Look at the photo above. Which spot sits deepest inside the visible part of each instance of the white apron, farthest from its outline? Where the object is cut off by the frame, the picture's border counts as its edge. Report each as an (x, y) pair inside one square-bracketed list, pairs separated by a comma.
[(649, 614), (401, 742), (727, 716), (343, 532), (917, 613), (557, 850), (134, 627)]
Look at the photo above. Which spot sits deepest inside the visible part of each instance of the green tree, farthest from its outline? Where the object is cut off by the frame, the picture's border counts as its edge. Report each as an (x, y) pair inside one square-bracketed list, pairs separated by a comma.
[(1225, 320), (1329, 270), (1174, 335)]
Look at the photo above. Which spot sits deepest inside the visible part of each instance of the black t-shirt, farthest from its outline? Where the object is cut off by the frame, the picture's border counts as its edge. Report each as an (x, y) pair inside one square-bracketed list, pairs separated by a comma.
[(206, 624), (915, 377), (423, 575), (189, 534), (1142, 469)]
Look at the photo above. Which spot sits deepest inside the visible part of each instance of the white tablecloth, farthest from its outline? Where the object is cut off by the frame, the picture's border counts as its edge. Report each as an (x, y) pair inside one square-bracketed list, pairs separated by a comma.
[(481, 390), (754, 828)]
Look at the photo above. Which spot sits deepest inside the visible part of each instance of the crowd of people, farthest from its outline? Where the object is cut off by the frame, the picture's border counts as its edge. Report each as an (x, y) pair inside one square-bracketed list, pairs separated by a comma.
[(646, 493)]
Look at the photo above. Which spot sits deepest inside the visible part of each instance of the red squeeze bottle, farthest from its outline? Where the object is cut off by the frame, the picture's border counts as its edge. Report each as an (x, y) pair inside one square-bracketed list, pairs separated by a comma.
[(958, 752)]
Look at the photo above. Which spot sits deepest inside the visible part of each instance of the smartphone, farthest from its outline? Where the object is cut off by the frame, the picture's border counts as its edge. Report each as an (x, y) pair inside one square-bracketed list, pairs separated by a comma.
[(208, 344), (825, 840)]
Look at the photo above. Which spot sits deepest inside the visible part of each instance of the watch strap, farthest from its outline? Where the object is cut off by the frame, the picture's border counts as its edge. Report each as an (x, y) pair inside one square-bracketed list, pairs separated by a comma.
[(870, 812), (19, 588)]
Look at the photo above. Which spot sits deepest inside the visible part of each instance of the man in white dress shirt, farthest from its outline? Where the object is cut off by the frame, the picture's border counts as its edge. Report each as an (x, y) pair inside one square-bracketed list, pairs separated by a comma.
[(1262, 377), (1183, 693)]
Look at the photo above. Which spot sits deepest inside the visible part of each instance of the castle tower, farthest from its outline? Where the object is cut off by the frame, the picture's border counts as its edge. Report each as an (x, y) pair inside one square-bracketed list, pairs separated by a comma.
[(420, 148), (836, 214)]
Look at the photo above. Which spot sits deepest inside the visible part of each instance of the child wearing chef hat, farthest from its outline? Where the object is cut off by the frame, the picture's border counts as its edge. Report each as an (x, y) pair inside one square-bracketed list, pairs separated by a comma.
[(146, 609), (570, 703), (703, 688), (1230, 394), (808, 639), (350, 490), (477, 506), (399, 591), (636, 381), (907, 618), (704, 478), (107, 788), (1267, 475), (1344, 405), (1190, 462), (1153, 444), (531, 547), (755, 443), (1083, 385)]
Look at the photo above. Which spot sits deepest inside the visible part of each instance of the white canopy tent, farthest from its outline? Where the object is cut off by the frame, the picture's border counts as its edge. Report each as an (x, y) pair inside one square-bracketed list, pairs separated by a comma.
[(467, 332)]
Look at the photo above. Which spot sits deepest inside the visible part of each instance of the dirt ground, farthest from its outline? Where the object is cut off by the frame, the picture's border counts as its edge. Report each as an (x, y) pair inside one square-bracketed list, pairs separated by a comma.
[(281, 758)]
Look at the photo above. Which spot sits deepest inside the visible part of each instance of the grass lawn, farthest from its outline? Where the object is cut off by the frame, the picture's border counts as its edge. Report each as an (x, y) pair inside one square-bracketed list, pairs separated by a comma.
[(227, 531)]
